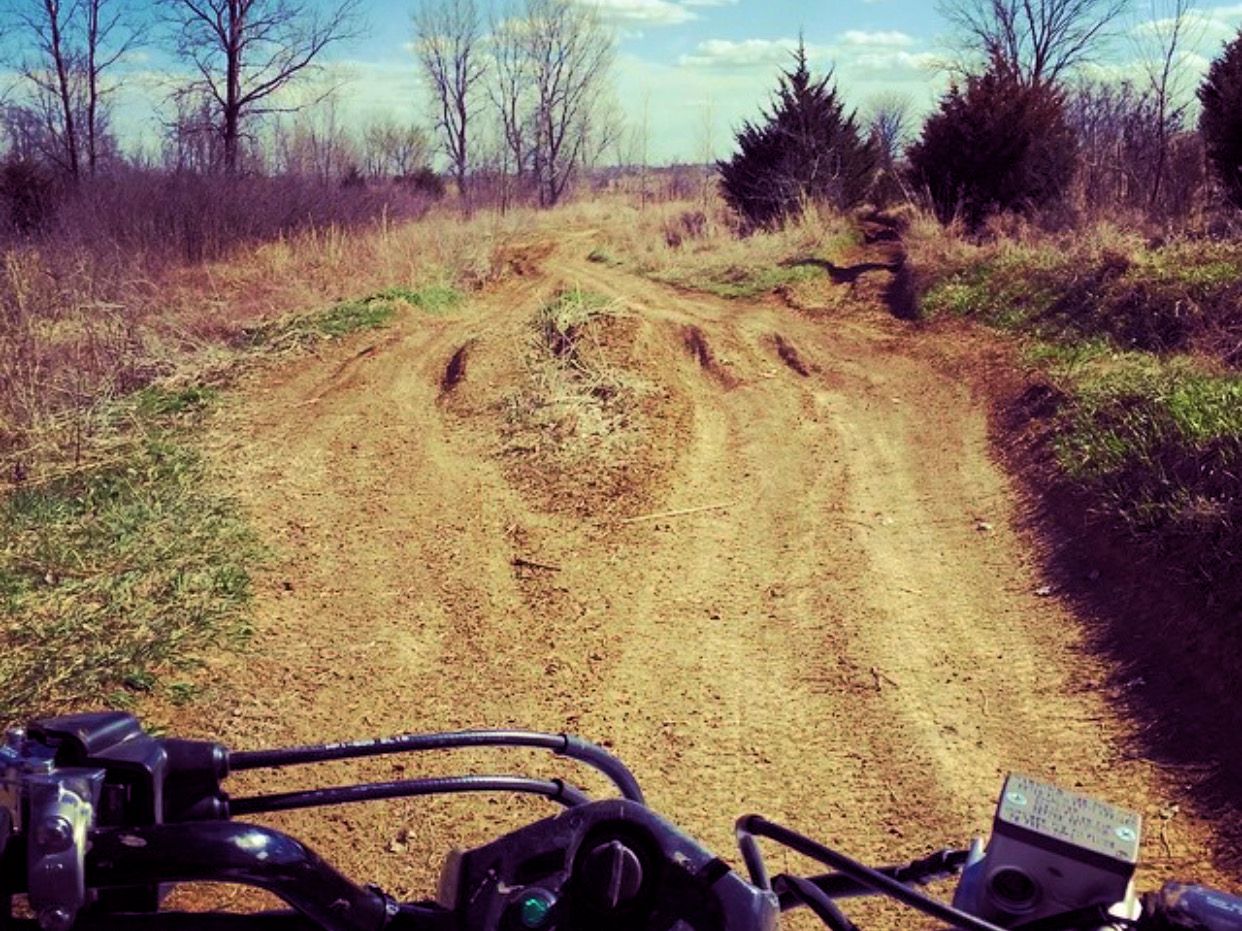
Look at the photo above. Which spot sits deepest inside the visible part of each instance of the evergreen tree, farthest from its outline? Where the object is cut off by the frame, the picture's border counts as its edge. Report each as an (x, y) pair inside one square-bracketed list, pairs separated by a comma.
[(806, 149), (1000, 144), (1220, 122)]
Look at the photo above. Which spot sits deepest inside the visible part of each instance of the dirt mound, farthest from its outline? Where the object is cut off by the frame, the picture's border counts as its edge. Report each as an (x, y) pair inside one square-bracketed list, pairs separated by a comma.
[(523, 260)]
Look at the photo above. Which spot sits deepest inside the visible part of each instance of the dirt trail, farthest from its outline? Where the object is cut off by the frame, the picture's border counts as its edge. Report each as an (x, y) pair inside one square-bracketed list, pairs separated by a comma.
[(849, 638)]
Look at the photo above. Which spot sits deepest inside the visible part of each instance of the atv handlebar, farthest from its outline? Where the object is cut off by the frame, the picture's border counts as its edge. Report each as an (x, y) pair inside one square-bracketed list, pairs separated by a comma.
[(98, 818)]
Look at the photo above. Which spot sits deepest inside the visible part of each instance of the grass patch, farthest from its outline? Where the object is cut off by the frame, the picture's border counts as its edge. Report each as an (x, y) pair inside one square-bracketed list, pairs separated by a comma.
[(561, 320), (1156, 443), (1177, 298), (123, 570), (368, 313), (576, 424), (577, 400), (1142, 345)]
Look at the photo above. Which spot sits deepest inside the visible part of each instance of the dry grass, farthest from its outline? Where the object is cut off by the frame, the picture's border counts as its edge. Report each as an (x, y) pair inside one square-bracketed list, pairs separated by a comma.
[(687, 245), (576, 402), (78, 331), (120, 561), (576, 427)]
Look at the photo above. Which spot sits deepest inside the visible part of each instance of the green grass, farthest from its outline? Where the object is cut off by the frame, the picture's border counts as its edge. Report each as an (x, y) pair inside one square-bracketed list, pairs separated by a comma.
[(368, 313), (1156, 443), (122, 571), (116, 578), (1129, 408), (1170, 299), (1149, 424)]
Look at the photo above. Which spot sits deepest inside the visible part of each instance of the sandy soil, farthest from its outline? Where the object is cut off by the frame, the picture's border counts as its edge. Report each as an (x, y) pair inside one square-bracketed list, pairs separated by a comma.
[(848, 639)]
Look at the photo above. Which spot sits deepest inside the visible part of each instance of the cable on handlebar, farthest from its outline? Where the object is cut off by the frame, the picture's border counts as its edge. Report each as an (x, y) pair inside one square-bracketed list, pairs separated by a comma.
[(555, 790), (940, 865), (566, 745), (814, 898), (885, 885)]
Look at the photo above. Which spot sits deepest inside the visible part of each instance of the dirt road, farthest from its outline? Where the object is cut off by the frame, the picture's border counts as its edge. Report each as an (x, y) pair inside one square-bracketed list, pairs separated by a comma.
[(844, 631)]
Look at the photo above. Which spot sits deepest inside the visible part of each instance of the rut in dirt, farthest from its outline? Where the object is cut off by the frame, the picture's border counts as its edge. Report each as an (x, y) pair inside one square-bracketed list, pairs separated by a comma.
[(765, 589)]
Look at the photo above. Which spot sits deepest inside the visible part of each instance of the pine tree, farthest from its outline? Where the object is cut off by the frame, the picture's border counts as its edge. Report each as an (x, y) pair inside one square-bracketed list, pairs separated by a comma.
[(1000, 144), (1220, 122), (806, 149)]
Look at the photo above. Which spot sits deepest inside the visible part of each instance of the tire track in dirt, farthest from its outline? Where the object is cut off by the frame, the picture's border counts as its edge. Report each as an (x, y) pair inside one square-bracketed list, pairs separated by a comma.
[(851, 642)]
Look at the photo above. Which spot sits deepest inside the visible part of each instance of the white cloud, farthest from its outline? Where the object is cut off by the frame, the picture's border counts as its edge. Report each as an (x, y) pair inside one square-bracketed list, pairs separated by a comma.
[(749, 53), (884, 39), (895, 63), (651, 12)]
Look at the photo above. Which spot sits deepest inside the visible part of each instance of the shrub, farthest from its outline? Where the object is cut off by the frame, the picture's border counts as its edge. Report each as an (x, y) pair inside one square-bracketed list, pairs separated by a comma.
[(1221, 119), (26, 191), (1000, 144), (807, 149), (424, 181)]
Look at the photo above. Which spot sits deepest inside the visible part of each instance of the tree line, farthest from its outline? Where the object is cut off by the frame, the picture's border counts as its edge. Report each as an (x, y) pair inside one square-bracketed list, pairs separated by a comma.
[(1021, 127), (518, 93), (520, 104)]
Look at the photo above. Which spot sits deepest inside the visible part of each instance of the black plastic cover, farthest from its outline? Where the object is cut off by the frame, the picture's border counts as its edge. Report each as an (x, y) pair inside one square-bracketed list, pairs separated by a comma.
[(683, 885)]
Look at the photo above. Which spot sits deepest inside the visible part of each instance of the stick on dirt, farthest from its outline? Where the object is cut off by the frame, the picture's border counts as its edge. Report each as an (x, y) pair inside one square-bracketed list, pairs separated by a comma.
[(521, 563), (681, 512)]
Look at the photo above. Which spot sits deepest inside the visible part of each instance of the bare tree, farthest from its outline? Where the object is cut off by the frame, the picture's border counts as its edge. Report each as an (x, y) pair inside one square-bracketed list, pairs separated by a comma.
[(52, 73), (108, 38), (888, 123), (707, 153), (570, 56), (509, 90), (1042, 39), (191, 142), (313, 143), (1161, 43), (246, 51), (449, 40), (393, 149)]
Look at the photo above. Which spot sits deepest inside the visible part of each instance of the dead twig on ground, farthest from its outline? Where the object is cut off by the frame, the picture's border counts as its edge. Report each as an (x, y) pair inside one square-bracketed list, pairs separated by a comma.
[(680, 512), (520, 563)]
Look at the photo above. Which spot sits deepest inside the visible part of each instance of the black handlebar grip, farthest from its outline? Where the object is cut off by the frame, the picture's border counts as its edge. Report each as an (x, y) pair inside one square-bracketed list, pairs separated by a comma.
[(1179, 907)]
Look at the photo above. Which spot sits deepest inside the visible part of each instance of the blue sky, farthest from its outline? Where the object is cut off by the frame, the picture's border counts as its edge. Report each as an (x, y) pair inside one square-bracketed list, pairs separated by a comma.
[(695, 68), (697, 65)]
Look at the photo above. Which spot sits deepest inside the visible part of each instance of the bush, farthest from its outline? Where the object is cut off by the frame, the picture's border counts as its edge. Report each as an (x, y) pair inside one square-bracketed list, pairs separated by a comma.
[(1221, 119), (425, 182), (26, 191), (1000, 144), (807, 149)]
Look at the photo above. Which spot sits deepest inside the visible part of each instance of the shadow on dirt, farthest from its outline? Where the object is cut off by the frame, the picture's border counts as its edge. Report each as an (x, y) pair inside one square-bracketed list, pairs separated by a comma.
[(789, 355), (1177, 671), (882, 234), (842, 274), (455, 371), (696, 344)]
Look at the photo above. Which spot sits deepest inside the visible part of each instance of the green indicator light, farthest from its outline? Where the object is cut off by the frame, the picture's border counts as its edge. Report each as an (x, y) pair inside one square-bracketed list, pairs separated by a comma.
[(535, 909)]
